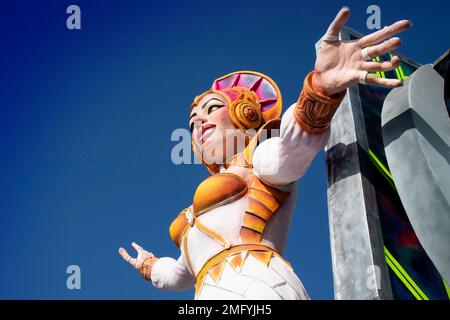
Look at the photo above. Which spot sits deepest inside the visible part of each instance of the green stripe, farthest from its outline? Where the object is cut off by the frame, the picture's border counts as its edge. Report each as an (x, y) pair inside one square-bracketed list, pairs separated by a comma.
[(405, 274), (385, 172), (376, 73), (403, 280), (400, 69), (399, 76), (378, 162), (447, 289), (397, 72), (381, 72)]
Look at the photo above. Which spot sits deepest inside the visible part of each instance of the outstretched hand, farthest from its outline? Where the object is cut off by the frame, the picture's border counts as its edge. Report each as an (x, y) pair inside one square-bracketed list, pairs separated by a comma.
[(142, 255), (340, 64)]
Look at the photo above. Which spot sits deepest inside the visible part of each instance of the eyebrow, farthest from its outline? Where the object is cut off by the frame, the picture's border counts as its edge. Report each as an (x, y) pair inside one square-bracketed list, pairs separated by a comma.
[(204, 105)]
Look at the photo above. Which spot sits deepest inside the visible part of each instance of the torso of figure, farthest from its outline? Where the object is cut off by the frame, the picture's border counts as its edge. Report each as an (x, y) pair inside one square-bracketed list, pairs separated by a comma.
[(221, 204)]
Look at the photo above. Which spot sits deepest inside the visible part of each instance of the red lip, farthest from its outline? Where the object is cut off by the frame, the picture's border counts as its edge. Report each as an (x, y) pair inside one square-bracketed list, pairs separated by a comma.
[(201, 137)]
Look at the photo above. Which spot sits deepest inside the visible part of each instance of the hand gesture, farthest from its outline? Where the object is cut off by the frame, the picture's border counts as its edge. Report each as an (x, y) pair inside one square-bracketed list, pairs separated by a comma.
[(142, 255), (340, 64)]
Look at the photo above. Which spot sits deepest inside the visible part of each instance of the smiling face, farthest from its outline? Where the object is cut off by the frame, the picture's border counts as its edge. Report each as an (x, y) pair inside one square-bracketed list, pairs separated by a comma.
[(213, 132)]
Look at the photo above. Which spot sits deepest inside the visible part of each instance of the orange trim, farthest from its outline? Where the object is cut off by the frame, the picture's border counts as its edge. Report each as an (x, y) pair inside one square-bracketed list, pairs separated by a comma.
[(200, 97), (253, 222), (185, 249), (237, 261), (267, 199), (216, 272), (258, 209), (263, 256), (264, 201), (258, 184), (334, 99), (211, 233), (178, 227), (198, 287), (314, 110), (266, 129), (224, 254), (146, 268), (249, 236)]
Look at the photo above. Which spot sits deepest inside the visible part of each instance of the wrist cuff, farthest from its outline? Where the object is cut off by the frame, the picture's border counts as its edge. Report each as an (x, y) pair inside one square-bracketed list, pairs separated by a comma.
[(146, 268), (314, 110)]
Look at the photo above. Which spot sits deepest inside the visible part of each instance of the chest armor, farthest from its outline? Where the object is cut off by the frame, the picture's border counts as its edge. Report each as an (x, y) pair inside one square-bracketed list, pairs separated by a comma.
[(217, 190), (222, 188)]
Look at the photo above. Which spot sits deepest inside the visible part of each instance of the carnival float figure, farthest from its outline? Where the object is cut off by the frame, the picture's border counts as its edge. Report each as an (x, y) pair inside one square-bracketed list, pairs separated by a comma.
[(233, 235)]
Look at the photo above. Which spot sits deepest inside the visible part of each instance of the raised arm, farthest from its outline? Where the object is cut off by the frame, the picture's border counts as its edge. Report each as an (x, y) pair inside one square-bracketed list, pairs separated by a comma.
[(305, 126)]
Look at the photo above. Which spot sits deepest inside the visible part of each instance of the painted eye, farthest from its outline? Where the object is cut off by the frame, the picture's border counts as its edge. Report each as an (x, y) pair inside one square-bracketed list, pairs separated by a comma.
[(214, 108), (191, 126)]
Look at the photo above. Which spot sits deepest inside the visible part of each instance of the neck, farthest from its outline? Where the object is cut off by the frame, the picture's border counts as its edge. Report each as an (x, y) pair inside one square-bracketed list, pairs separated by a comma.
[(236, 160)]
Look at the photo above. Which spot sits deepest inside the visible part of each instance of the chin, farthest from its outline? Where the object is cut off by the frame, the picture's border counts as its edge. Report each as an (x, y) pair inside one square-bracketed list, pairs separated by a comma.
[(211, 143), (207, 150)]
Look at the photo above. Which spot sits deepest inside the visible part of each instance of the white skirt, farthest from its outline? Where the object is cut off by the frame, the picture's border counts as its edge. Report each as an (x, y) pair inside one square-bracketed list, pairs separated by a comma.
[(255, 281)]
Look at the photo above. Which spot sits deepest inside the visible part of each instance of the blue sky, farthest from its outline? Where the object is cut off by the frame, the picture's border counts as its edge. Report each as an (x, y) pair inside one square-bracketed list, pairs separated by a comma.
[(86, 118)]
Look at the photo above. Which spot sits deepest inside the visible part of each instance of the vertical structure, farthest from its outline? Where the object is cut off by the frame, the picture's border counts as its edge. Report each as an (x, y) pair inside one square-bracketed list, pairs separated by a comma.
[(375, 252)]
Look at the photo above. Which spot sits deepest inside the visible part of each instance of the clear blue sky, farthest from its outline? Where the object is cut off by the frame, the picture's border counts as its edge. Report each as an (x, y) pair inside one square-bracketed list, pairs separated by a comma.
[(86, 118)]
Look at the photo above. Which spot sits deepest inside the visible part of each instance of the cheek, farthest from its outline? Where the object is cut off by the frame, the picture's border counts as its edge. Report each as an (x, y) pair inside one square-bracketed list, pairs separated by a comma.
[(221, 118)]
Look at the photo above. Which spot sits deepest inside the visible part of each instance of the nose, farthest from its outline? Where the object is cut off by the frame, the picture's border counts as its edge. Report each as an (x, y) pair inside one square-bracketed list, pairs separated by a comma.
[(199, 121)]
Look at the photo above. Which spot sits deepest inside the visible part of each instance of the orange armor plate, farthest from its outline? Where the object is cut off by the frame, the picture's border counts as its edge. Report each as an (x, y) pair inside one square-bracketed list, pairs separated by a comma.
[(217, 190)]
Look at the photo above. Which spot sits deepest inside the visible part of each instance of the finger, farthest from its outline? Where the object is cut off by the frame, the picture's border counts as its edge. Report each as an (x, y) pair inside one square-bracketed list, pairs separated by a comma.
[(385, 47), (382, 82), (127, 257), (338, 22), (384, 33), (381, 66), (137, 247)]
